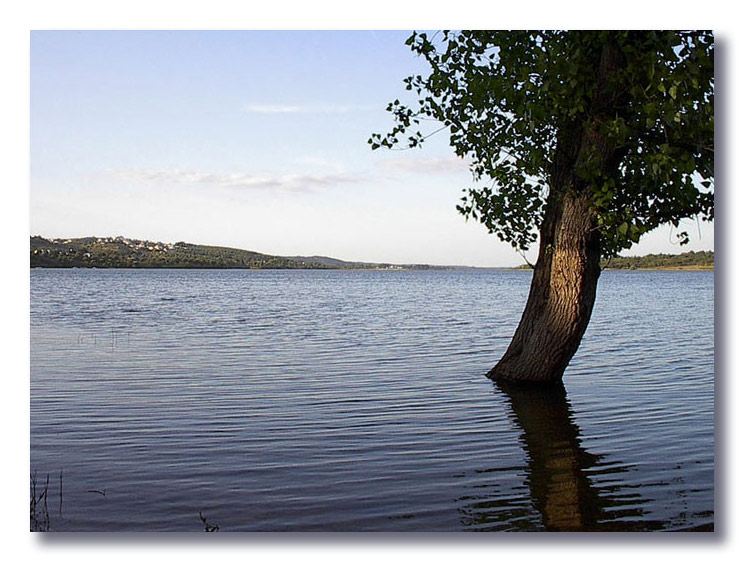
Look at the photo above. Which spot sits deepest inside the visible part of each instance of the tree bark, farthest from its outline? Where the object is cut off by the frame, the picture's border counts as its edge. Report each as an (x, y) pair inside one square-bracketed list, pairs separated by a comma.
[(561, 297), (564, 281)]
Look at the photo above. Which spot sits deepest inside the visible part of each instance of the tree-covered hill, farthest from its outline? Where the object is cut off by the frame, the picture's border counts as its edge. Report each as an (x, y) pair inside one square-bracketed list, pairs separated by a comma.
[(129, 253), (120, 252)]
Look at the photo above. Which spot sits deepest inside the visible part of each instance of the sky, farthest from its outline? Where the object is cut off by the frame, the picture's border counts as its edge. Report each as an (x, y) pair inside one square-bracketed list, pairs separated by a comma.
[(250, 139)]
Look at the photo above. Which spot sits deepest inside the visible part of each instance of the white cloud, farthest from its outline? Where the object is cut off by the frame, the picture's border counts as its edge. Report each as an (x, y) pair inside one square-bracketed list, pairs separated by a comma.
[(443, 165), (238, 180)]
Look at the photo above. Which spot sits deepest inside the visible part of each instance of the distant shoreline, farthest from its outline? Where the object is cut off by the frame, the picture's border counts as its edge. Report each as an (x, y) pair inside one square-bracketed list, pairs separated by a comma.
[(126, 253), (667, 268), (403, 268)]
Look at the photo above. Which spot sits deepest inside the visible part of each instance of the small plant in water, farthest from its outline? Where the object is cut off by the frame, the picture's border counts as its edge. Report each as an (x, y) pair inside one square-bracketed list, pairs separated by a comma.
[(209, 528), (39, 505)]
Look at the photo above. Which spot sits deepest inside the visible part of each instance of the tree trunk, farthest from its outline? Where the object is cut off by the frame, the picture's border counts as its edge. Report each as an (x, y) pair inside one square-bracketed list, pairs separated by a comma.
[(564, 282), (561, 297)]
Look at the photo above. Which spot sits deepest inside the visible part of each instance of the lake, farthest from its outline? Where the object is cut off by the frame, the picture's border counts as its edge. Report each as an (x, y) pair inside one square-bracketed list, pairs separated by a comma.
[(268, 400)]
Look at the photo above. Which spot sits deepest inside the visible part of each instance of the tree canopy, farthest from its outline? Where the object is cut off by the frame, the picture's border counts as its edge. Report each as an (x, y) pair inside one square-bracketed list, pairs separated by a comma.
[(506, 97)]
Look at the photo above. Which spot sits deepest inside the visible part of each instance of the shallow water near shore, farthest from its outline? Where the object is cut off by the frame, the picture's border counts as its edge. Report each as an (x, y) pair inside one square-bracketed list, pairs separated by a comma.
[(356, 401)]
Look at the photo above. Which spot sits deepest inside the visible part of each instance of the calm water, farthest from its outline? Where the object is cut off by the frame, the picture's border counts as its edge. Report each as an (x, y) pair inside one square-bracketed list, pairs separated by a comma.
[(355, 400)]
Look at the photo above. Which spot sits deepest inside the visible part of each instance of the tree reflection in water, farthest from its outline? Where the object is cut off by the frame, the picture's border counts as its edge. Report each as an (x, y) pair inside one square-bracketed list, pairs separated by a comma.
[(555, 459), (557, 476)]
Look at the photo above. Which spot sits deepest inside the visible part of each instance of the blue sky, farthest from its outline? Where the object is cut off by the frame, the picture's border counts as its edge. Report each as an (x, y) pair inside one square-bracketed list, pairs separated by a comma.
[(254, 140)]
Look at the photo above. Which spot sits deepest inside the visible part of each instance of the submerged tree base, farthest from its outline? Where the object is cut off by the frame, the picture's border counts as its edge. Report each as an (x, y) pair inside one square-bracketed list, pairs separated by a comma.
[(504, 380)]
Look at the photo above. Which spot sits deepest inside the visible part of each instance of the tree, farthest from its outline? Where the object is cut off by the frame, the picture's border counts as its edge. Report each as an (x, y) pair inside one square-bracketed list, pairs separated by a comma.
[(584, 140)]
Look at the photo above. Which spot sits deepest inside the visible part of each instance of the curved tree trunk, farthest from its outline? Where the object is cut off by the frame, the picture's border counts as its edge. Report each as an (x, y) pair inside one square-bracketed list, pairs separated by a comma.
[(561, 297), (564, 282)]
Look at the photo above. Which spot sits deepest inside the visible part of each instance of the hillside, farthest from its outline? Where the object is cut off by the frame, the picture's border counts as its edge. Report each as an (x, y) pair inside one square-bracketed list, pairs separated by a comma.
[(120, 252)]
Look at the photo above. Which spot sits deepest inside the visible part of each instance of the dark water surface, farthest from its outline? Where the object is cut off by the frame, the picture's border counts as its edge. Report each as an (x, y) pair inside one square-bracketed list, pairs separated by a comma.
[(355, 400)]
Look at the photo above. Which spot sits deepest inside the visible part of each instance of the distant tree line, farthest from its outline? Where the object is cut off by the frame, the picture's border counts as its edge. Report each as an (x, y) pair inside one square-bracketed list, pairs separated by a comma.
[(687, 260)]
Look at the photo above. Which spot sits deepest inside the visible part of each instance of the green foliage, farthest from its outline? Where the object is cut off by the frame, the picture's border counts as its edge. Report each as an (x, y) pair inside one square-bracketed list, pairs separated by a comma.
[(507, 97)]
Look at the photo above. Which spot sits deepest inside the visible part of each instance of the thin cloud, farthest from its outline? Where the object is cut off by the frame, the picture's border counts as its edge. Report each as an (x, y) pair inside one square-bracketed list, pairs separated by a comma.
[(306, 109), (444, 165), (272, 108), (283, 182)]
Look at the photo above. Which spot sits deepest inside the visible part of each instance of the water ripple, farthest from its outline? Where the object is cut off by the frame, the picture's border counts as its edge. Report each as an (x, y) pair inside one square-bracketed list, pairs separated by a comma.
[(355, 400)]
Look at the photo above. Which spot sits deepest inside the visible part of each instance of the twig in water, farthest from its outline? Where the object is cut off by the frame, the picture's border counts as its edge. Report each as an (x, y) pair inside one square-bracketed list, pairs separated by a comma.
[(39, 519), (208, 527)]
